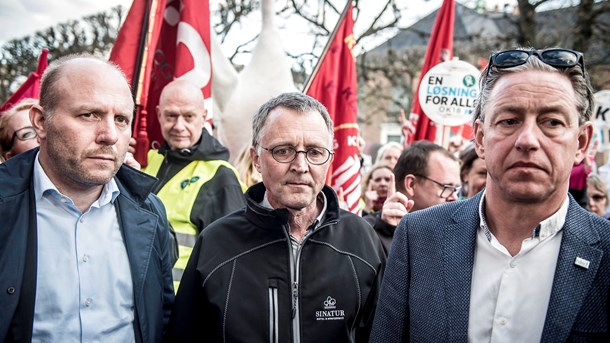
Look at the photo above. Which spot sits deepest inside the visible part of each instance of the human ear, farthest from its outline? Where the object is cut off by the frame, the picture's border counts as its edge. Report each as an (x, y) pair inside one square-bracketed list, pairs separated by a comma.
[(585, 133), (479, 134), (38, 119)]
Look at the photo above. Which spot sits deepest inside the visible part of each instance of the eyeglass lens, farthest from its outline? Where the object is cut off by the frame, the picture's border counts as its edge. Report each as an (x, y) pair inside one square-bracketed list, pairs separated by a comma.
[(448, 191), (25, 133), (287, 154), (553, 57)]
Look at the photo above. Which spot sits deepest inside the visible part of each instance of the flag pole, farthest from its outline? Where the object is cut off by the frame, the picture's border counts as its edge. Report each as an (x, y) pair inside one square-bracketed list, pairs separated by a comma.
[(141, 135), (140, 57), (331, 38)]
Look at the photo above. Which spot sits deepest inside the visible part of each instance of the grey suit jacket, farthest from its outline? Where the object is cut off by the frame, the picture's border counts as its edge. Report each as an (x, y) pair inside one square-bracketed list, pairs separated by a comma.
[(425, 293)]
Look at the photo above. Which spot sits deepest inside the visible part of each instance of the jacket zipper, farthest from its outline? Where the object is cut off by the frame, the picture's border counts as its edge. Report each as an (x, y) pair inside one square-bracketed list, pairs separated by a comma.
[(294, 280)]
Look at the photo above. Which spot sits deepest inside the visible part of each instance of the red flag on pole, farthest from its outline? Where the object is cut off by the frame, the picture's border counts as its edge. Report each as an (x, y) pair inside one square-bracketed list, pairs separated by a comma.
[(177, 46), (31, 86), (440, 49), (334, 84)]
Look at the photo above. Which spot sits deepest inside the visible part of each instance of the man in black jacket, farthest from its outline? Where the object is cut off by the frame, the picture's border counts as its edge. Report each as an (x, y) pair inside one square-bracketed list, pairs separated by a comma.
[(196, 183), (425, 175), (293, 267)]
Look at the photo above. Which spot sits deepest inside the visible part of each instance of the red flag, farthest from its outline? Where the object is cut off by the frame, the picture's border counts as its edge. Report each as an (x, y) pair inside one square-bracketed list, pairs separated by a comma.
[(334, 84), (440, 49), (31, 86), (177, 46)]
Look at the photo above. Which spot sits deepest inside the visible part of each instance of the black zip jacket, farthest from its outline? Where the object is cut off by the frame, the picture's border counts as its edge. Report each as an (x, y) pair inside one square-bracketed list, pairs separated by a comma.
[(243, 284)]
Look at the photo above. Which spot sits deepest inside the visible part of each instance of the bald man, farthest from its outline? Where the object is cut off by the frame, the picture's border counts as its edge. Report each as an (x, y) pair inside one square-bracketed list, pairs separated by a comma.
[(196, 183), (85, 254)]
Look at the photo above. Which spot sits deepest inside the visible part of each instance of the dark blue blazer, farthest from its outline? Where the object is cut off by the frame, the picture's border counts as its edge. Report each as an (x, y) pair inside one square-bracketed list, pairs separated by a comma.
[(145, 230), (425, 293)]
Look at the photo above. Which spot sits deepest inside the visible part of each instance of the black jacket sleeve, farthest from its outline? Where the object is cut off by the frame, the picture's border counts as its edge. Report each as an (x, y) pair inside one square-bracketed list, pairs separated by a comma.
[(218, 197)]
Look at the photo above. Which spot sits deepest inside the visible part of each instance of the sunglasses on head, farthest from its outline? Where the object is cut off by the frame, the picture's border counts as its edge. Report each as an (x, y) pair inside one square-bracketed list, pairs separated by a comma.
[(558, 58)]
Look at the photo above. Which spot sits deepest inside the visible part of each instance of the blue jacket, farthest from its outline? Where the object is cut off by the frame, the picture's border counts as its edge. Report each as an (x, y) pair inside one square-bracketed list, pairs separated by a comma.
[(425, 293), (146, 233)]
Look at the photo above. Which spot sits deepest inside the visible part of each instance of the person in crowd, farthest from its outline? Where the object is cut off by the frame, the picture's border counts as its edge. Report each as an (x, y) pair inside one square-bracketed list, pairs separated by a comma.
[(473, 172), (375, 185), (292, 267), (597, 195), (579, 174), (196, 182), (85, 245), (16, 132), (388, 154), (426, 175), (246, 169), (520, 261)]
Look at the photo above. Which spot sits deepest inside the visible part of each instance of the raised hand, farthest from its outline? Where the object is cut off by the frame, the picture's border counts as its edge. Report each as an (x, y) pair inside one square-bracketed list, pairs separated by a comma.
[(396, 205)]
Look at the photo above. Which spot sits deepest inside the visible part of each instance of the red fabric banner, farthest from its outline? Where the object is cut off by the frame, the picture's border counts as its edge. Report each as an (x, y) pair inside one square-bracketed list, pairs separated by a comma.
[(177, 47), (31, 86), (440, 49), (334, 84)]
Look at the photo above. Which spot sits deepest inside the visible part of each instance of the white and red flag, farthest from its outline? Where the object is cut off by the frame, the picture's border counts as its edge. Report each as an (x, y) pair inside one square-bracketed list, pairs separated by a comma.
[(163, 40), (334, 84)]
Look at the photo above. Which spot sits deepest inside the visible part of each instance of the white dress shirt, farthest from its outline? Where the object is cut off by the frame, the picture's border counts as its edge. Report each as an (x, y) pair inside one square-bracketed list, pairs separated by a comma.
[(84, 290), (510, 294)]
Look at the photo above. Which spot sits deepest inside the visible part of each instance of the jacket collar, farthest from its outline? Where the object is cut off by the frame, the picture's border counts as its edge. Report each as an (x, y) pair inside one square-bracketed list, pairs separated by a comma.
[(20, 170), (270, 218), (207, 148)]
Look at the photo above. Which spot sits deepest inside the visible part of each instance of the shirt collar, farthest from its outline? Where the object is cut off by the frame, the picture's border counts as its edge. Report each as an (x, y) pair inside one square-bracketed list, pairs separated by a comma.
[(44, 186), (547, 228), (321, 196)]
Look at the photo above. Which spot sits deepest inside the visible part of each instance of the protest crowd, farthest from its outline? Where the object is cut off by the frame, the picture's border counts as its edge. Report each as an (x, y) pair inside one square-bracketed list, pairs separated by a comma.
[(501, 237)]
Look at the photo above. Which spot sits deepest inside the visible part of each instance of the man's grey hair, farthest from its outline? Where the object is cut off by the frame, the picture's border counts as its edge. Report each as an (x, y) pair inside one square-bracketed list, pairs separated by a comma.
[(578, 77), (50, 94), (295, 101)]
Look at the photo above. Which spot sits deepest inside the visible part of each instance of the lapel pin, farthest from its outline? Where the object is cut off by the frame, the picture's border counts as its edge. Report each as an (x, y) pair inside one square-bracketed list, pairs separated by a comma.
[(581, 262)]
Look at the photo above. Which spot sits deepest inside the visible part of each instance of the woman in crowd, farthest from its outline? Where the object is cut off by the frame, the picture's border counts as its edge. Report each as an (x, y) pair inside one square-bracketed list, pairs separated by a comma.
[(389, 153), (472, 172), (597, 194), (375, 186)]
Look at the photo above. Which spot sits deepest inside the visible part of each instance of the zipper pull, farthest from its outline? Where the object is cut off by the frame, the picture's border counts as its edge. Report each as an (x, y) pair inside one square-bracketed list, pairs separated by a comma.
[(295, 297)]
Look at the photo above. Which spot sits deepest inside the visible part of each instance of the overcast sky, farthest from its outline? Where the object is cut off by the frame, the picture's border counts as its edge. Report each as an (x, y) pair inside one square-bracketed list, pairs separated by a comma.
[(19, 18)]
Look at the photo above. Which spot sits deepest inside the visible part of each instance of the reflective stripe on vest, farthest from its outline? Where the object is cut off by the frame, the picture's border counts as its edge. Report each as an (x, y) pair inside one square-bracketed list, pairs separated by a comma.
[(179, 195)]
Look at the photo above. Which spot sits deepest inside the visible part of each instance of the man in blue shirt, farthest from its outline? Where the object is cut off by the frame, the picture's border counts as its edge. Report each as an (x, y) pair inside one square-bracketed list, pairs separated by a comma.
[(84, 254)]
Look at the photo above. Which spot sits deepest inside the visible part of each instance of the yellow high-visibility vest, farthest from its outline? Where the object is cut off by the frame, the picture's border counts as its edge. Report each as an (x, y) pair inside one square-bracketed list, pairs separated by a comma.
[(179, 195)]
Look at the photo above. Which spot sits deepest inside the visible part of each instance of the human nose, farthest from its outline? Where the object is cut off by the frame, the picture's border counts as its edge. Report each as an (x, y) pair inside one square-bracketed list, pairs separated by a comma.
[(179, 124), (300, 163), (527, 136), (107, 131)]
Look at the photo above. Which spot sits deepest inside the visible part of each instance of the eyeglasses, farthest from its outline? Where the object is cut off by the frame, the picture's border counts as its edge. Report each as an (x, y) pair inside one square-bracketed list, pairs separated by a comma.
[(287, 154), (23, 134), (558, 58), (448, 190)]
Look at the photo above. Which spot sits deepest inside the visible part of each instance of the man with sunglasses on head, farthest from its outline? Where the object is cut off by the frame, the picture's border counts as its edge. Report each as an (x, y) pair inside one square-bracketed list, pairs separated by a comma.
[(425, 175), (292, 266), (16, 132), (520, 261)]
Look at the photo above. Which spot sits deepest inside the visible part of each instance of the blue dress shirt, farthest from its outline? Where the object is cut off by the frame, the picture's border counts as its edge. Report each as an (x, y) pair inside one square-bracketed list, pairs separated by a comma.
[(84, 290)]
